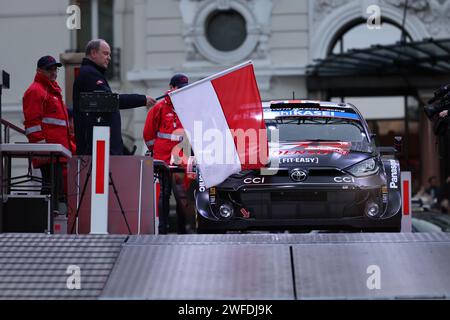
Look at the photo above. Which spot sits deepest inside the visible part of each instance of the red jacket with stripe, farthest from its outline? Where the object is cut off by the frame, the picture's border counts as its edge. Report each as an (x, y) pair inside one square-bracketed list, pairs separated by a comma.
[(46, 118), (163, 131)]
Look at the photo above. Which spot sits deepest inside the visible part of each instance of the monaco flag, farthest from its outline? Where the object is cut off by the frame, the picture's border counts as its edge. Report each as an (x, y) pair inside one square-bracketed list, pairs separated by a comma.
[(223, 119)]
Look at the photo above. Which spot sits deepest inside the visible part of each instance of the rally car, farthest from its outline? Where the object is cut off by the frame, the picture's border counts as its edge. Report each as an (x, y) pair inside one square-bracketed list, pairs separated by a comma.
[(325, 173)]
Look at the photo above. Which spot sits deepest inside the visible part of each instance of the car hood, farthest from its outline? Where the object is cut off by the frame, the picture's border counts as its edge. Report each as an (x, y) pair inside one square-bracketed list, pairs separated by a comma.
[(319, 154)]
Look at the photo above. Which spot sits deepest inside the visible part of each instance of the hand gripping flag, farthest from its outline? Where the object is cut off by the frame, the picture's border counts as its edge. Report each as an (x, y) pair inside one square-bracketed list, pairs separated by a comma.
[(223, 119)]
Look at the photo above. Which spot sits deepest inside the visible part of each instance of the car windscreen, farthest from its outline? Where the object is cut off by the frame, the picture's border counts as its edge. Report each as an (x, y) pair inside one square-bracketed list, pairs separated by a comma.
[(316, 128)]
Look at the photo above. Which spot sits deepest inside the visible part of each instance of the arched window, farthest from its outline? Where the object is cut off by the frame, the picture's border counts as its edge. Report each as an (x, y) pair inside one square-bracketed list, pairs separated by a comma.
[(358, 36), (387, 116)]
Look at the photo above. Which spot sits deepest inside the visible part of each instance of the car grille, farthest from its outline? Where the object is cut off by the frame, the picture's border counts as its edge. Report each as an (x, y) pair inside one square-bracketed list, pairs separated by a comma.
[(316, 172), (321, 204)]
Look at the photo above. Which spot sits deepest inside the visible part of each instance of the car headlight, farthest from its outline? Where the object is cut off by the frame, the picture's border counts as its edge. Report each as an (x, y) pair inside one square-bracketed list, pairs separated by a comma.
[(364, 168)]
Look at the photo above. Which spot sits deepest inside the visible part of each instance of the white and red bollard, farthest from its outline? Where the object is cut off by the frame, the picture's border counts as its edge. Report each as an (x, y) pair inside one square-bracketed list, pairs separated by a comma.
[(100, 180), (156, 192), (406, 201)]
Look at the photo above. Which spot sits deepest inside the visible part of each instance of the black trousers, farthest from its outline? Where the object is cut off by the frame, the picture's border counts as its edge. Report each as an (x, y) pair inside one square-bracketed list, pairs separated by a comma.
[(58, 180), (166, 183)]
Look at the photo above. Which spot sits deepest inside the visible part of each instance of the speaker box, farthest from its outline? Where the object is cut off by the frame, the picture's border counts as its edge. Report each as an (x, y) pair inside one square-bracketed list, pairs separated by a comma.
[(26, 214)]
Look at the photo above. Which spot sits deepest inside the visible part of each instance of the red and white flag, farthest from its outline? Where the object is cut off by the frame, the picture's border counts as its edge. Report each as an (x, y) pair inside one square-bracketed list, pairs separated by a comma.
[(223, 118)]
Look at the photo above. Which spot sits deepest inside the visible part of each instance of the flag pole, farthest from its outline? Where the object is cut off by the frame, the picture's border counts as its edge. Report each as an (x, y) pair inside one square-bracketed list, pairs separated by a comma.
[(212, 77)]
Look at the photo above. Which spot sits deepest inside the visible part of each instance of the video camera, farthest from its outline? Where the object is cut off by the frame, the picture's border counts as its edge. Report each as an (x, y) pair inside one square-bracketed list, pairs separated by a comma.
[(439, 103)]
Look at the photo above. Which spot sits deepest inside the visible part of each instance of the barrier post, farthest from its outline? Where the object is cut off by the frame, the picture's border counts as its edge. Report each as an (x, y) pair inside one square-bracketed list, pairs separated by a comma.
[(156, 192), (100, 180), (406, 201)]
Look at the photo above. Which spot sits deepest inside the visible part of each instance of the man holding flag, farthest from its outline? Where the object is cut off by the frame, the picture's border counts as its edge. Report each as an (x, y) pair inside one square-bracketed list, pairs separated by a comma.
[(162, 133)]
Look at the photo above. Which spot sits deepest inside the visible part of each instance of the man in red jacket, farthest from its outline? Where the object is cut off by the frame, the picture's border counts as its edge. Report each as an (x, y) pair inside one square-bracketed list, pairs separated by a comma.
[(162, 133), (47, 121)]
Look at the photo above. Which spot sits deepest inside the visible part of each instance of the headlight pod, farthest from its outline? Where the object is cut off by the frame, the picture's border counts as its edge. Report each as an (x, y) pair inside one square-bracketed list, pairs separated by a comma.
[(364, 168), (241, 174)]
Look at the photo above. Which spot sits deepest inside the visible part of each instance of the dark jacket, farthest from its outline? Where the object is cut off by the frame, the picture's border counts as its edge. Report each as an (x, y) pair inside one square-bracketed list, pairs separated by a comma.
[(92, 78)]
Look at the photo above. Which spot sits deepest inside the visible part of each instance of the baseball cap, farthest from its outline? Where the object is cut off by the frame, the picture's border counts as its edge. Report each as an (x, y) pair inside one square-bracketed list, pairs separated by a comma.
[(179, 80), (46, 62)]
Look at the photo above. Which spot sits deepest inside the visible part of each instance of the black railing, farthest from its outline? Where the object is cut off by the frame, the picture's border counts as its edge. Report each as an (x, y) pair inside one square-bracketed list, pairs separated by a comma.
[(5, 162), (7, 126)]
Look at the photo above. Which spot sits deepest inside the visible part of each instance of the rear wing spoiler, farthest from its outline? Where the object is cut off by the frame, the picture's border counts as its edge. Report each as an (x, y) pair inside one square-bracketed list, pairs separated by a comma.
[(293, 104)]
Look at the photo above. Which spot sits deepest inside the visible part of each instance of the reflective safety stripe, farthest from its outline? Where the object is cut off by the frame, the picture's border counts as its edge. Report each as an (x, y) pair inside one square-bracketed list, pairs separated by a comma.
[(33, 129), (149, 143), (57, 122), (172, 137)]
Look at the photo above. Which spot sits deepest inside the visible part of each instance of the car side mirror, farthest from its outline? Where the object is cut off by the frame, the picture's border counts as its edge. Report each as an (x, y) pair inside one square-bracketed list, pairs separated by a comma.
[(398, 143)]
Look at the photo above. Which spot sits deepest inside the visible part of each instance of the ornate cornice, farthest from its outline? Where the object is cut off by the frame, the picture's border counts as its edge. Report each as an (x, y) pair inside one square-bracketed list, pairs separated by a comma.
[(323, 8), (435, 14), (257, 14)]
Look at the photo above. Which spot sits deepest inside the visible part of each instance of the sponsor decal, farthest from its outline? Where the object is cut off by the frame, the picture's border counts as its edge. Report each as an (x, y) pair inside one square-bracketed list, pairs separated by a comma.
[(201, 184), (394, 175), (316, 148), (312, 113), (299, 160), (212, 195), (344, 179), (384, 194), (245, 213), (256, 180)]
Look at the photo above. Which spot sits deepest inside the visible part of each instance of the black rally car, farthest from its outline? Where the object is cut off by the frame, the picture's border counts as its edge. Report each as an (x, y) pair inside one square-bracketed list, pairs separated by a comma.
[(324, 173)]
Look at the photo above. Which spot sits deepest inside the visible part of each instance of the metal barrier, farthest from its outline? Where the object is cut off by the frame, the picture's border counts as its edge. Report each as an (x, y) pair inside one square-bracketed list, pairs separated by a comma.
[(7, 126), (6, 164)]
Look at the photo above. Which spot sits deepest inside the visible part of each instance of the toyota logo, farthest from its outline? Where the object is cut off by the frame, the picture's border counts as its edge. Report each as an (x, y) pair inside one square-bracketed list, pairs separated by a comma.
[(298, 175)]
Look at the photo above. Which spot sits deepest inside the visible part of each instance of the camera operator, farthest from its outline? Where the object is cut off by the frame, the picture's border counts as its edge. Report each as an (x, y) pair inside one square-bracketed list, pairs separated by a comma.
[(439, 104), (162, 133), (437, 111), (92, 78)]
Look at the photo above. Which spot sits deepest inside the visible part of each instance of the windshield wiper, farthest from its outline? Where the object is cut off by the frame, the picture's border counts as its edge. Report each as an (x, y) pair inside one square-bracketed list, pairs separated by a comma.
[(312, 140), (328, 140)]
